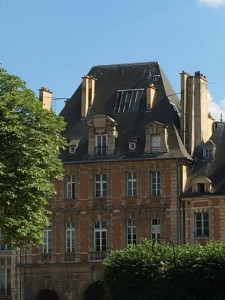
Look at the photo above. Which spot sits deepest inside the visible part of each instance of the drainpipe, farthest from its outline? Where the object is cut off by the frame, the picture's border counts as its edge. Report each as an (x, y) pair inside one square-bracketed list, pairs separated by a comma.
[(179, 178)]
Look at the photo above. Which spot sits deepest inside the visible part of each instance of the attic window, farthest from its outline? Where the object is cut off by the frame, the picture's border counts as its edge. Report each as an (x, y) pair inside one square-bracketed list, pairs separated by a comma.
[(208, 153), (128, 100), (209, 150), (201, 185), (132, 145), (72, 149)]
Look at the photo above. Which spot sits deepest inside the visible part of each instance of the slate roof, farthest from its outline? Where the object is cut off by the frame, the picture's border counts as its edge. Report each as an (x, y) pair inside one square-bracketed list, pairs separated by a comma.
[(131, 125), (213, 169)]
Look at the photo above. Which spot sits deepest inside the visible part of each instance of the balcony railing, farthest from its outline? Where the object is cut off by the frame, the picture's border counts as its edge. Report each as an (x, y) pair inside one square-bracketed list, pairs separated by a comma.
[(72, 256), (46, 257), (97, 255)]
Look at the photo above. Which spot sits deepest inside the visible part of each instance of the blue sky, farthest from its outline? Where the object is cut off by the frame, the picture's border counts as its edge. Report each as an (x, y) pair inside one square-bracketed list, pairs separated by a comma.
[(53, 43)]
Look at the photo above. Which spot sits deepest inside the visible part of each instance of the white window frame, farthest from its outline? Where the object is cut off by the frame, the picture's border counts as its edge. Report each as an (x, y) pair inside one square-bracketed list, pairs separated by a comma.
[(131, 231), (70, 186), (70, 237), (100, 236), (101, 144), (155, 228), (201, 224), (155, 177), (47, 241), (156, 143), (100, 185), (72, 148), (5, 277), (132, 145), (131, 184)]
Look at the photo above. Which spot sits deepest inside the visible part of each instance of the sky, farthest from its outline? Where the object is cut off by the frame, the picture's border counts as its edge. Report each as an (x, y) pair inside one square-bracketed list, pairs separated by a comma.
[(53, 43)]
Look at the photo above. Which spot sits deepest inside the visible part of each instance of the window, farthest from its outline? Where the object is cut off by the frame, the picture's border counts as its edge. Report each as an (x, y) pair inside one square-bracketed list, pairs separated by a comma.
[(47, 243), (131, 184), (155, 183), (128, 100), (100, 236), (100, 185), (156, 143), (208, 153), (202, 224), (70, 237), (200, 187), (209, 149), (201, 184), (72, 148), (4, 247), (5, 280), (101, 144), (131, 232), (70, 186), (132, 146), (155, 229)]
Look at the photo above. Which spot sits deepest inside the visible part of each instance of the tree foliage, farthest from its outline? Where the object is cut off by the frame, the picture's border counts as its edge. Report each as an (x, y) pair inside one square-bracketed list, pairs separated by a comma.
[(197, 272), (30, 141)]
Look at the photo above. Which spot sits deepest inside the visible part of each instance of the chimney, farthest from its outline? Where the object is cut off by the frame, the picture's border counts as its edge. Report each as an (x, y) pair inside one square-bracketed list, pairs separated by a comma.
[(184, 77), (45, 96), (88, 93), (150, 92), (195, 123)]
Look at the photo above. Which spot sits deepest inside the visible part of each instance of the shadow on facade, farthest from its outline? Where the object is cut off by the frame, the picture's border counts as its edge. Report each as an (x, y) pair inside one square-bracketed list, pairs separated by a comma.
[(47, 295), (95, 291)]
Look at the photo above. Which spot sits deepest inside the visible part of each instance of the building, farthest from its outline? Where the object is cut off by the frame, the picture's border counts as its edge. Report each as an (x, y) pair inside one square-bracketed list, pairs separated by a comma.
[(204, 193), (131, 172)]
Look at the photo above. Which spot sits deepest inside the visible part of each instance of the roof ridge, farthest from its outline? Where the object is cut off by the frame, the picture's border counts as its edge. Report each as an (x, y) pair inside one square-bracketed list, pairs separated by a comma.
[(125, 64)]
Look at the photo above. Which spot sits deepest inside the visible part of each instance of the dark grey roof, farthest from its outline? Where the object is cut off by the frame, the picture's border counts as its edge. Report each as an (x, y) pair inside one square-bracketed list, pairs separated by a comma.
[(213, 169), (110, 79)]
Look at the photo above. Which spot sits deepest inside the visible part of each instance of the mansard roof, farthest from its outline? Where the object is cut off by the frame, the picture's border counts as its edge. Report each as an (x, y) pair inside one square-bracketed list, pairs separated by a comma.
[(109, 80), (212, 168)]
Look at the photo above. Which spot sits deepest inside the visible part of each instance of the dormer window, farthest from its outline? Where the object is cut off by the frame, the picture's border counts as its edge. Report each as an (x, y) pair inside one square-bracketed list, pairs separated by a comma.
[(156, 136), (201, 185), (102, 134), (101, 144), (73, 145), (72, 149), (132, 145), (209, 149)]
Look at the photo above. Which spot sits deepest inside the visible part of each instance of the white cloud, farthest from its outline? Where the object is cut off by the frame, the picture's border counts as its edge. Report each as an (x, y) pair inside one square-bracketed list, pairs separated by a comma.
[(213, 3), (216, 110)]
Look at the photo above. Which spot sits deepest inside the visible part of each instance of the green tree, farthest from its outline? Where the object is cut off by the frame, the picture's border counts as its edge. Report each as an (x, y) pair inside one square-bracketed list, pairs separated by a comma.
[(195, 272), (30, 141), (128, 272)]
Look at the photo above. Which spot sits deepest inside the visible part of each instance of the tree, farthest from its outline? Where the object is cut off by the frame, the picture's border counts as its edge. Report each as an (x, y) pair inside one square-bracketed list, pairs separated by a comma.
[(195, 272), (30, 141), (129, 272)]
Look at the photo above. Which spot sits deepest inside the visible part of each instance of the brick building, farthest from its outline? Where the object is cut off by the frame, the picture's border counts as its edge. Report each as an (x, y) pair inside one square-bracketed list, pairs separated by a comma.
[(132, 171)]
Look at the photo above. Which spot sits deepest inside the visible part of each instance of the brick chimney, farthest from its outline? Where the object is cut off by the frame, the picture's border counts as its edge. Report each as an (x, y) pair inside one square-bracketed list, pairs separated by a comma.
[(88, 93), (45, 96)]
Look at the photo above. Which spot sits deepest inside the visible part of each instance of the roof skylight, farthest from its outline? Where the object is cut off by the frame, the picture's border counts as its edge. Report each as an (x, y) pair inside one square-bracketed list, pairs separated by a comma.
[(128, 100)]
